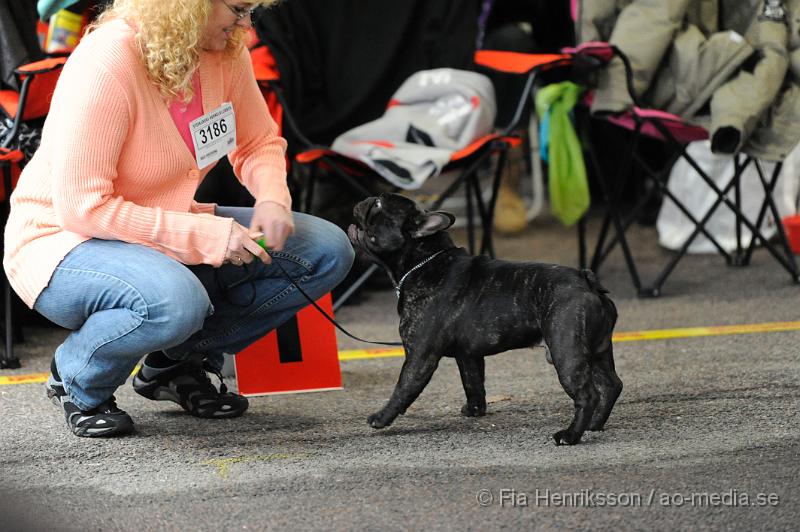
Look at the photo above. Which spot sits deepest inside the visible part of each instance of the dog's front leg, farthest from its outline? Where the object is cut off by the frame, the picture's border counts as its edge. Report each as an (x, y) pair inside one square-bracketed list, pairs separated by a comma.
[(472, 377), (415, 375)]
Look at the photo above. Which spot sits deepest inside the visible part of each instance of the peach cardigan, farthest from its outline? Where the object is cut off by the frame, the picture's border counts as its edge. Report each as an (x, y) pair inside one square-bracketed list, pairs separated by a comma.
[(112, 164)]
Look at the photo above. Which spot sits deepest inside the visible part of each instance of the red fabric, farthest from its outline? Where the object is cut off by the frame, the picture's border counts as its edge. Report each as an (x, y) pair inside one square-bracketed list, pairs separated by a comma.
[(266, 69), (518, 63), (792, 226), (15, 172), (13, 156), (41, 30), (9, 101), (40, 90), (9, 158), (264, 64)]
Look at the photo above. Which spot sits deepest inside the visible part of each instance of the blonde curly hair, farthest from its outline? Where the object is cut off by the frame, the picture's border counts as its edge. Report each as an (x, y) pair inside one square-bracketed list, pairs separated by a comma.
[(168, 33)]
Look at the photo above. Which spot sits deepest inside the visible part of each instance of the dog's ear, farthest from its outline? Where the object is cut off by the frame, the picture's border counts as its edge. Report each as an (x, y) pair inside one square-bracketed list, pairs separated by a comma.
[(431, 222)]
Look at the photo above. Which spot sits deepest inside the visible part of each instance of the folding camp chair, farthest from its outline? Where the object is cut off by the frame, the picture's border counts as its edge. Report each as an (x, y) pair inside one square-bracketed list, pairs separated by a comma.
[(677, 133), (17, 109)]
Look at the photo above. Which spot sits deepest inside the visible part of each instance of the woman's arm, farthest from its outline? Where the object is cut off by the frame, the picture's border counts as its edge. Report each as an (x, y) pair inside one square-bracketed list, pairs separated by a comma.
[(259, 160), (95, 116)]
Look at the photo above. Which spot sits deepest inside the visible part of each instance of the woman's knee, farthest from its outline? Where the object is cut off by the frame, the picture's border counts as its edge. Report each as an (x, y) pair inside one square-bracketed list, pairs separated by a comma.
[(336, 253), (181, 305)]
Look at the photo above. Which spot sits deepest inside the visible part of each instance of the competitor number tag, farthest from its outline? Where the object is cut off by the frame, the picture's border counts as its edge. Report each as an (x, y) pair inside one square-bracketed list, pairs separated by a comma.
[(214, 134)]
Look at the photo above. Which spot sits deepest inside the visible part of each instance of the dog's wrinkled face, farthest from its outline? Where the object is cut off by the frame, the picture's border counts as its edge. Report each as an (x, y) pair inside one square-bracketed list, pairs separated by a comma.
[(385, 223)]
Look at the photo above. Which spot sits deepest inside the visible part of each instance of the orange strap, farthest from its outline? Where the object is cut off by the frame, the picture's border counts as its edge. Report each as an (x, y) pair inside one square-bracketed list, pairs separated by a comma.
[(519, 63), (480, 143), (13, 156), (313, 154), (40, 67)]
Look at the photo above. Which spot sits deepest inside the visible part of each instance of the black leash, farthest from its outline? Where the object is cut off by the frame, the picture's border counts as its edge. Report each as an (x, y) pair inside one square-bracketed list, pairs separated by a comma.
[(251, 278), (321, 311)]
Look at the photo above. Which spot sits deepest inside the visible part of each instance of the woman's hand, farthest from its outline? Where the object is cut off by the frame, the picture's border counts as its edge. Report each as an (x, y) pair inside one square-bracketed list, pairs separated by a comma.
[(242, 248), (273, 222)]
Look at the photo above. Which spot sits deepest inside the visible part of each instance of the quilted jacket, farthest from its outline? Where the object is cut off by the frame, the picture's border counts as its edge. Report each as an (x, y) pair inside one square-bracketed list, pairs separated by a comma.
[(732, 65)]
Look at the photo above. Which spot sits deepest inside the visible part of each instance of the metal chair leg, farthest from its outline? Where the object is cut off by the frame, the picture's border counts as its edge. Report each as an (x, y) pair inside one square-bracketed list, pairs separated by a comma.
[(487, 244), (8, 361), (353, 288)]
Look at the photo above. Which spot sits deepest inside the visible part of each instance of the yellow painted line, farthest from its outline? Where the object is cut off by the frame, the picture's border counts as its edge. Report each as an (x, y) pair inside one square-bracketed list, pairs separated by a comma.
[(33, 378), (24, 379), (693, 332), (362, 354), (633, 336)]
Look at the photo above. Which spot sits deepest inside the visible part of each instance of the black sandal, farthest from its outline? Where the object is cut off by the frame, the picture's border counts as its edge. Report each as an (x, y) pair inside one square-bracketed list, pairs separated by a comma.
[(187, 384)]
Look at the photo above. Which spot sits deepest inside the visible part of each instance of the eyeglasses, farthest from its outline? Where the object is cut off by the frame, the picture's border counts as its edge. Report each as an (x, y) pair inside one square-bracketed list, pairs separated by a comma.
[(239, 12)]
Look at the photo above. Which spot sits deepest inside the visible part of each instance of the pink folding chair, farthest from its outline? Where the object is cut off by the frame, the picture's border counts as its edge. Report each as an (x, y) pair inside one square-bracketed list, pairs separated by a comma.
[(677, 133)]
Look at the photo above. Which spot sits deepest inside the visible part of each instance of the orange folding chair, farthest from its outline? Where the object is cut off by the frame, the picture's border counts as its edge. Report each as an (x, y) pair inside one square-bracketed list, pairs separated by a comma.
[(37, 82)]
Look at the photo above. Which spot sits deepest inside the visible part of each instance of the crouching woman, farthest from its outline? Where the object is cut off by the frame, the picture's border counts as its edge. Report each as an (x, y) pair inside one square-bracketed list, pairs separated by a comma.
[(104, 237)]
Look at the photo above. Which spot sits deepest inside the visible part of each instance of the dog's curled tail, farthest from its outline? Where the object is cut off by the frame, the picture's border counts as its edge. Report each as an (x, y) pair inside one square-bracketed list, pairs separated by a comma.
[(594, 284), (601, 291)]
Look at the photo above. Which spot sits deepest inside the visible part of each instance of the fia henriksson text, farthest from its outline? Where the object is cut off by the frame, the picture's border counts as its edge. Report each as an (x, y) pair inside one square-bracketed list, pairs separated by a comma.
[(587, 498)]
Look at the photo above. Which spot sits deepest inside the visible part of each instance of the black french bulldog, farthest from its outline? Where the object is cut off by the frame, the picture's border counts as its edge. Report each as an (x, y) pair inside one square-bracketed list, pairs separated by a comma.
[(454, 304)]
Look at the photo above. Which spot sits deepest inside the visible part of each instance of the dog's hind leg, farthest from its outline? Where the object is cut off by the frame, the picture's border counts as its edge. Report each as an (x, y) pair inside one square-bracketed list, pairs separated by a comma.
[(575, 375), (608, 386), (472, 377)]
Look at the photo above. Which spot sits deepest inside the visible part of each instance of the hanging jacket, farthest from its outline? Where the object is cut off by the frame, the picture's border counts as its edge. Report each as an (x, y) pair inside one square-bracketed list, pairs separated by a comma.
[(741, 57)]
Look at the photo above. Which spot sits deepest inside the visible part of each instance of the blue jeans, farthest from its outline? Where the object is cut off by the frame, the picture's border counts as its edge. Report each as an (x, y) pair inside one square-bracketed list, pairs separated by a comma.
[(123, 300)]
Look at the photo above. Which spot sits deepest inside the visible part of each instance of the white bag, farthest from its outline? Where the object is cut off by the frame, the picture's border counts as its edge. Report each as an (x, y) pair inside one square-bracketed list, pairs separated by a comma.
[(674, 228)]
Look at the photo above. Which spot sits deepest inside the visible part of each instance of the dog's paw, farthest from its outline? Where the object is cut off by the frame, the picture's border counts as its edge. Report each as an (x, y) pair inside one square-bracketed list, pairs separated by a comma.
[(565, 437), (473, 410), (378, 420)]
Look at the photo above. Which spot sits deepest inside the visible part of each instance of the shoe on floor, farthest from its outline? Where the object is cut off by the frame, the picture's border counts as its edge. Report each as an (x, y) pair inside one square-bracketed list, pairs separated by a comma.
[(102, 421), (187, 384)]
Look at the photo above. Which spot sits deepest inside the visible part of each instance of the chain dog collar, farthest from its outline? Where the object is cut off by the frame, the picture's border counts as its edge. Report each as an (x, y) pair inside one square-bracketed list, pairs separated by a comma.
[(418, 266)]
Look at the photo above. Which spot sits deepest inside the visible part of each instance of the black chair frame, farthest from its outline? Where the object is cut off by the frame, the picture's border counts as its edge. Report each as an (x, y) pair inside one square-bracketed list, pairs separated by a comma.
[(10, 143), (659, 177)]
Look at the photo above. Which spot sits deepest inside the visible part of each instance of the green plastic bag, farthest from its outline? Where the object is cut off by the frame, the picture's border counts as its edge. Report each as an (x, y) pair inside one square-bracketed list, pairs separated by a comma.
[(567, 183)]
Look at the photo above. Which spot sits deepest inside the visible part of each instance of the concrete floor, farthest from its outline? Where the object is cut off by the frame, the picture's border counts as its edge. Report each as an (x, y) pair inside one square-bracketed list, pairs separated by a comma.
[(705, 436)]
